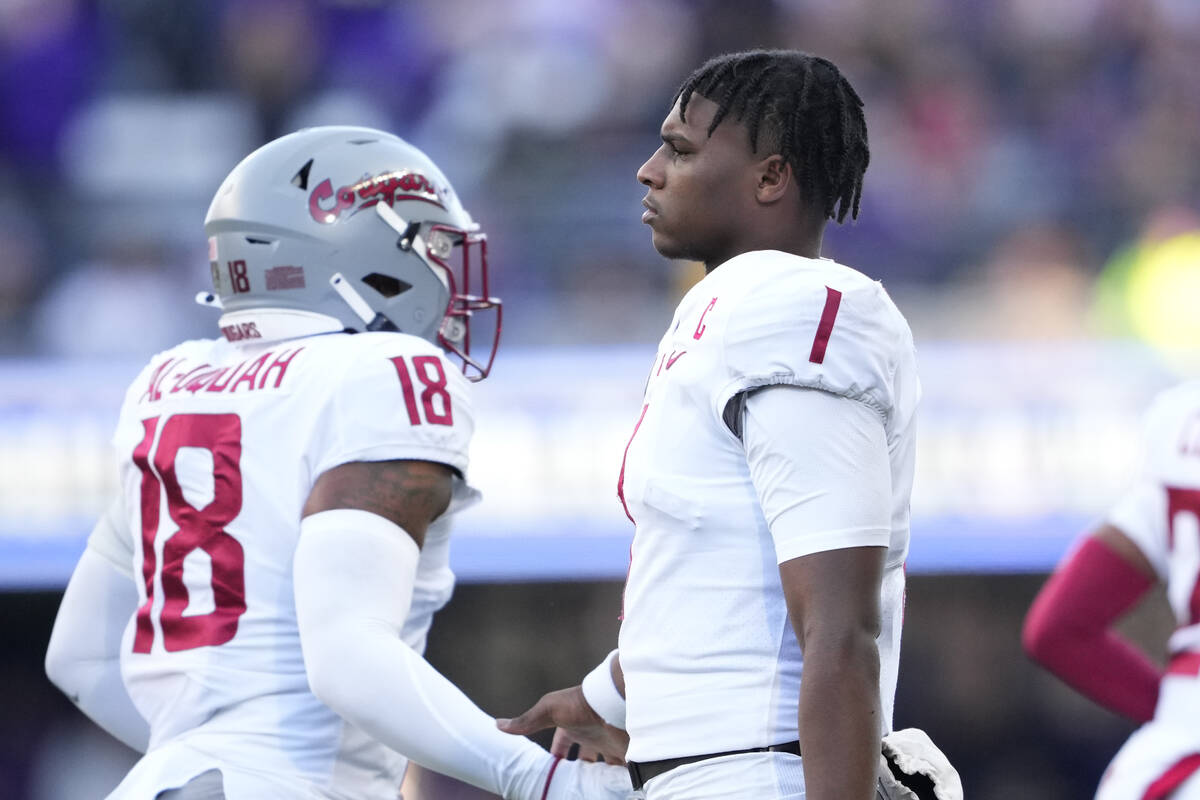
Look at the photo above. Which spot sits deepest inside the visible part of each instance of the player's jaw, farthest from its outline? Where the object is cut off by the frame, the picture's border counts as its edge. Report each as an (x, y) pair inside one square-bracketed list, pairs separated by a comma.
[(673, 209), (665, 241), (652, 216)]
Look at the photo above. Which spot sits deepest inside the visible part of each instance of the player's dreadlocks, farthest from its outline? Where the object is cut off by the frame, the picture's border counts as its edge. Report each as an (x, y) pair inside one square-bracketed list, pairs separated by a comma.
[(808, 112)]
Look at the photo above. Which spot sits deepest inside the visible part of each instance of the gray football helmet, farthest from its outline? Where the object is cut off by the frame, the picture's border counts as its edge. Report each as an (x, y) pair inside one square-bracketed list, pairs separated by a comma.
[(356, 225)]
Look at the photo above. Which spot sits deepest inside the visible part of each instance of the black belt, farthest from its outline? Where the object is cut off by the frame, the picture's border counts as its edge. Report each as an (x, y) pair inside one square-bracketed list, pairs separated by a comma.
[(641, 773)]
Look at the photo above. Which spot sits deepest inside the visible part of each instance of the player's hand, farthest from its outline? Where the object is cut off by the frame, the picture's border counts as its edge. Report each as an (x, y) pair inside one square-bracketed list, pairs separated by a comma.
[(576, 723)]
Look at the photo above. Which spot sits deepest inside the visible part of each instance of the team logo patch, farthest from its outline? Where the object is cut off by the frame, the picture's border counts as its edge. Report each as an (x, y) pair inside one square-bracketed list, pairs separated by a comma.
[(327, 206), (285, 277)]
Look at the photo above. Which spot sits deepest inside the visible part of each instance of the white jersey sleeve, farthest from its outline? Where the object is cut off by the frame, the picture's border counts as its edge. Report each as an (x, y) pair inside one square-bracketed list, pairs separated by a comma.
[(820, 467), (399, 399), (1141, 514), (836, 331)]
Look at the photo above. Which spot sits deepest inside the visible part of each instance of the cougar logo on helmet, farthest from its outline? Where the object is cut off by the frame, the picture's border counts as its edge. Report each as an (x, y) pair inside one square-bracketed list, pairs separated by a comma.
[(308, 260), (389, 187)]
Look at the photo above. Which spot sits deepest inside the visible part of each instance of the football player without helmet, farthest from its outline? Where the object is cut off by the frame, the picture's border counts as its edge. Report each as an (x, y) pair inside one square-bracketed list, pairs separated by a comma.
[(285, 660), (759, 151)]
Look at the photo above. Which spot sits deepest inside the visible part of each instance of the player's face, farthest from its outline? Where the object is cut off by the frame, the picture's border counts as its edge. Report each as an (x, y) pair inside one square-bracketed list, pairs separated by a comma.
[(700, 186)]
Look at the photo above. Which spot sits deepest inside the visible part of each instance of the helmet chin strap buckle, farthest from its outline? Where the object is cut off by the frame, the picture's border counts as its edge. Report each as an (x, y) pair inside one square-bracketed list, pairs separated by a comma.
[(454, 329), (410, 239), (410, 232), (372, 321)]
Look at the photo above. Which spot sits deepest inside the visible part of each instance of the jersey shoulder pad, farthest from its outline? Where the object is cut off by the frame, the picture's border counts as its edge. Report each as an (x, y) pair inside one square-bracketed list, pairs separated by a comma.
[(394, 396), (814, 324), (1172, 434)]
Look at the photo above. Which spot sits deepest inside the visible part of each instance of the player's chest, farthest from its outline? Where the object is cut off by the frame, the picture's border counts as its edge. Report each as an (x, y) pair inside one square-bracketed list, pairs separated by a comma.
[(687, 358), (678, 432)]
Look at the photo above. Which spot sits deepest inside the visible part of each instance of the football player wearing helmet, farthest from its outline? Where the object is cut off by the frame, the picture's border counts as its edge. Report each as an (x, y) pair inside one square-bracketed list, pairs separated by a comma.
[(769, 468), (1150, 536), (251, 611)]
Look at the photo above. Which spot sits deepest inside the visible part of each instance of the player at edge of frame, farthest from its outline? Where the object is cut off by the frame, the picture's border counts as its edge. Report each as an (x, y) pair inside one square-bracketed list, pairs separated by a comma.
[(1150, 536)]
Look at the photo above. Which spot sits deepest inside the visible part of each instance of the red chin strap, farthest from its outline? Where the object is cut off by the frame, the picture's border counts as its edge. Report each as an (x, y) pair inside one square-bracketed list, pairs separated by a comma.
[(465, 306)]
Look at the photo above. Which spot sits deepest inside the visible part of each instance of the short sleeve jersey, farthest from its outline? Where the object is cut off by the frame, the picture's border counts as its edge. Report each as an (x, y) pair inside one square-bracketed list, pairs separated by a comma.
[(219, 446), (1161, 513), (710, 659)]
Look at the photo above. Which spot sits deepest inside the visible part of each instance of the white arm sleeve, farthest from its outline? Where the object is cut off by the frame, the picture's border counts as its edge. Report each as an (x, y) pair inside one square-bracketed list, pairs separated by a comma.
[(84, 656), (354, 574), (112, 539), (820, 466)]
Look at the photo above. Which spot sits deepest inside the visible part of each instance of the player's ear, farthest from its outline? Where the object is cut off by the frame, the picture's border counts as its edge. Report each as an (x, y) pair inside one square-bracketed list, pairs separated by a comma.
[(775, 177)]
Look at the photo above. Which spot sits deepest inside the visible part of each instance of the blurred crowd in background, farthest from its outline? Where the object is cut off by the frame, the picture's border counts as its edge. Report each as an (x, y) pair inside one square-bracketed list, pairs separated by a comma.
[(1035, 166)]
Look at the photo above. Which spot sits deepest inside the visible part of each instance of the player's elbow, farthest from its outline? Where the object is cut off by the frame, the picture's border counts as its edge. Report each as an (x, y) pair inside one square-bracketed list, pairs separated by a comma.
[(841, 650), (850, 635), (338, 663), (1043, 634), (62, 667), (327, 680), (1036, 640), (54, 667)]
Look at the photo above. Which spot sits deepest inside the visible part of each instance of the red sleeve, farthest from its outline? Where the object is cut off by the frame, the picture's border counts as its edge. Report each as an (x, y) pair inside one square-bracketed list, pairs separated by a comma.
[(1066, 631)]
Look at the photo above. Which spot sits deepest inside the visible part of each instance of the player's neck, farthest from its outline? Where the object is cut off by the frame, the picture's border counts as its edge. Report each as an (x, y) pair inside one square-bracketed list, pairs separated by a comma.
[(799, 243)]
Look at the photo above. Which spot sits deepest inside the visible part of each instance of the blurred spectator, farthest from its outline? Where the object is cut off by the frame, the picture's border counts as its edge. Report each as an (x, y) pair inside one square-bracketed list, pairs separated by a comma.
[(1034, 285), (987, 118), (127, 302), (1148, 288), (23, 269), (157, 47), (271, 51), (49, 53)]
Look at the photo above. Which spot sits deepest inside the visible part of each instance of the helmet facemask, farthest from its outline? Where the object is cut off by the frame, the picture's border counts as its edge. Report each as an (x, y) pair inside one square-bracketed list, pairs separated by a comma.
[(456, 256)]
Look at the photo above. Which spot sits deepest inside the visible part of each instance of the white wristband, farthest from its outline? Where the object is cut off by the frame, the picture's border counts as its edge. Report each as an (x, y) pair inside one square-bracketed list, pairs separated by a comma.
[(602, 695)]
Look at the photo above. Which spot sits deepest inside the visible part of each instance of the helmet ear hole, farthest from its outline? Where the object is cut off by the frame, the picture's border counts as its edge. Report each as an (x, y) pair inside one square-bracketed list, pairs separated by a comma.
[(386, 285)]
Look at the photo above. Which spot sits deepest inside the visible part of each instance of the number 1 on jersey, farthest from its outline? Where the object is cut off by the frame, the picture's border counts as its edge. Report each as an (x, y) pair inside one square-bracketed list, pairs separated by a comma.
[(833, 300)]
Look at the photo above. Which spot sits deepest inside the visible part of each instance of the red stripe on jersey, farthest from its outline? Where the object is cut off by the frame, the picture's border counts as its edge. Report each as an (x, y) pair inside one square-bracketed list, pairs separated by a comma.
[(1173, 778), (621, 477), (833, 299)]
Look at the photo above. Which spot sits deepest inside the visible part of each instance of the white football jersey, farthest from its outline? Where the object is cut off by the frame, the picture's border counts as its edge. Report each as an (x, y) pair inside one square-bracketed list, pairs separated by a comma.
[(1161, 514), (219, 446), (710, 659)]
